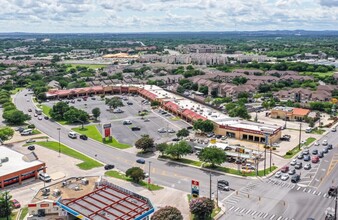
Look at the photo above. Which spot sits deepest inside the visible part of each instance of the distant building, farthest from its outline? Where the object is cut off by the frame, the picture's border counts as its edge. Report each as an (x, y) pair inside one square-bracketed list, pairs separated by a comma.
[(289, 113)]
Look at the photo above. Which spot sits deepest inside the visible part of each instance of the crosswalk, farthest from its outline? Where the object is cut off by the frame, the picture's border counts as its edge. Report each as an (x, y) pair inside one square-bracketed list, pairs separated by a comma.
[(234, 199), (296, 187), (255, 214)]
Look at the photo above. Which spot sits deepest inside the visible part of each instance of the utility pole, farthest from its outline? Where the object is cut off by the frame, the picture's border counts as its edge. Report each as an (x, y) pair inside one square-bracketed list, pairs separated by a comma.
[(335, 206), (266, 144), (300, 134), (217, 193), (6, 203), (210, 186), (270, 155), (59, 142)]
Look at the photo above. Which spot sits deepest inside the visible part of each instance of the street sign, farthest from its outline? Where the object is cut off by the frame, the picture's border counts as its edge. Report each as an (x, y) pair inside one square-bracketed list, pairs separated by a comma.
[(195, 188), (106, 130)]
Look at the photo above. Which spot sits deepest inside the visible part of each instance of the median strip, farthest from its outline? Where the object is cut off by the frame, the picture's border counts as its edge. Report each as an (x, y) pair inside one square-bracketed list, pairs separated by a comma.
[(87, 163)]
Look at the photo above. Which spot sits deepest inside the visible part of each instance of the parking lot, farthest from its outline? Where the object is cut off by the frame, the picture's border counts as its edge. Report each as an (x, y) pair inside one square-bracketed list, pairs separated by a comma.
[(148, 124)]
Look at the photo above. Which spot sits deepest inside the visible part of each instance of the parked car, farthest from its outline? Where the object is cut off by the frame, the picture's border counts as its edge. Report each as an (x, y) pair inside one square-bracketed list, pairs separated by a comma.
[(316, 143), (330, 147), (30, 141), (326, 150), (285, 177), (83, 137), (306, 152), (20, 129), (307, 166), (211, 134), (27, 132), (117, 110), (333, 129), (321, 154), (285, 169), (307, 158), (278, 174), (31, 147), (135, 128), (127, 122), (175, 139), (285, 137), (315, 152), (299, 165), (293, 162), (30, 110), (129, 103), (141, 161), (300, 156), (16, 203), (40, 117), (162, 130), (315, 159), (291, 172), (325, 143), (171, 131), (46, 117), (109, 166), (295, 178)]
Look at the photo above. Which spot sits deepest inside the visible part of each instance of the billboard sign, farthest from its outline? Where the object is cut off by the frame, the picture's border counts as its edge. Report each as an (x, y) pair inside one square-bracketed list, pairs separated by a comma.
[(106, 130), (195, 188)]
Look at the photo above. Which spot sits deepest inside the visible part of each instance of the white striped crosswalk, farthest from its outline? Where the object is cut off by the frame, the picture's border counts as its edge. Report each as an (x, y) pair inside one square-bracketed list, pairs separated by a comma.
[(255, 214)]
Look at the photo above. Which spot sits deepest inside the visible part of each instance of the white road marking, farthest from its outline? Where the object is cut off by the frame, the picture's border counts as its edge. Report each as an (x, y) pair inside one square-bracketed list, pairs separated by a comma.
[(272, 217)]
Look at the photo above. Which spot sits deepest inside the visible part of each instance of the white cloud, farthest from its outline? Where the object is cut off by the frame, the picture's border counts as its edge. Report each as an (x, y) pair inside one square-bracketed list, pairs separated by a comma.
[(166, 15)]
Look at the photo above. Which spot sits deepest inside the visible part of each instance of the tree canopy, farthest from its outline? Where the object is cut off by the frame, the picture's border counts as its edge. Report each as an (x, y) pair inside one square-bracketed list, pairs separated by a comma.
[(6, 206), (201, 207), (6, 133), (136, 174), (15, 117), (96, 113), (179, 149), (167, 213), (204, 125), (114, 102), (212, 155), (182, 133), (145, 143)]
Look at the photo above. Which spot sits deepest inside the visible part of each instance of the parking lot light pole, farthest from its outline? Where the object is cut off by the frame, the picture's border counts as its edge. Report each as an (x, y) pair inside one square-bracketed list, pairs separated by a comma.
[(300, 134), (59, 129), (149, 175)]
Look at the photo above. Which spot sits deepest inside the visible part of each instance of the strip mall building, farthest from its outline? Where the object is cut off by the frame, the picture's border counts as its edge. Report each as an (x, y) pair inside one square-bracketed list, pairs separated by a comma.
[(187, 109)]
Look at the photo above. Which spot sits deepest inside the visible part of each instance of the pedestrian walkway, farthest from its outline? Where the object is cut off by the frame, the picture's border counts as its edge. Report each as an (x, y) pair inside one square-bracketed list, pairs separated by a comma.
[(253, 214)]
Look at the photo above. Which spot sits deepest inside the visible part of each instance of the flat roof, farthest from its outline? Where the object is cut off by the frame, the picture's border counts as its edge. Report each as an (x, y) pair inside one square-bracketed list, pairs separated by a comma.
[(108, 201), (16, 161)]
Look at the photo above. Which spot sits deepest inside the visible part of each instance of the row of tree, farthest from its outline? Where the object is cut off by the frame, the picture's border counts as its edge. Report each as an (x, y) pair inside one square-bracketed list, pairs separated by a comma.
[(62, 111)]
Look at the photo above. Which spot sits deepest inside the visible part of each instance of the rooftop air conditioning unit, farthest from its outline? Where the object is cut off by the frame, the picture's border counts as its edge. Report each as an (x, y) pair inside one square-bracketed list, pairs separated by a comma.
[(84, 181)]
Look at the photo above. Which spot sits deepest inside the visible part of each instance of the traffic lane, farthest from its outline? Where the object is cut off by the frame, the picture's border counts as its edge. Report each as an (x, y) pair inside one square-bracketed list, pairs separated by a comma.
[(331, 179), (301, 205)]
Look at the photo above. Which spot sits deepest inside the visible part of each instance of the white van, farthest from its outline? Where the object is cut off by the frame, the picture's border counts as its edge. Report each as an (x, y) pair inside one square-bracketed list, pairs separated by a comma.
[(27, 132), (44, 177), (72, 135), (127, 122), (308, 130)]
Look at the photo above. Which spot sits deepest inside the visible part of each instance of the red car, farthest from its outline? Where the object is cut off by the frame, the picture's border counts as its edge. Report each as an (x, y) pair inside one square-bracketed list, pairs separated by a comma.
[(285, 169), (315, 159), (16, 203)]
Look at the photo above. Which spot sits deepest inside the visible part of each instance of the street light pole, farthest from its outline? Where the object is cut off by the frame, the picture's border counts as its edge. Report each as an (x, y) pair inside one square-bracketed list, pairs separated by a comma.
[(149, 175), (217, 193), (300, 134), (266, 144), (6, 203), (210, 186), (59, 129)]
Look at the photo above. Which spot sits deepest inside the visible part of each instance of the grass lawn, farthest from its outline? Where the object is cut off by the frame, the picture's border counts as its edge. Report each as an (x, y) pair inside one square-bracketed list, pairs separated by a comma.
[(90, 66), (317, 131), (87, 163), (330, 73), (23, 214), (45, 109), (183, 160), (16, 90), (297, 149), (121, 176), (92, 132), (36, 132), (243, 172)]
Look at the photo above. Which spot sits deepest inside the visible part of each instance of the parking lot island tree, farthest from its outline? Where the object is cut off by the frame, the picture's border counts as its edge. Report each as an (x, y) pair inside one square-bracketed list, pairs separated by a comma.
[(162, 147), (136, 173), (6, 133), (145, 143), (182, 133), (178, 150), (167, 213), (96, 113), (201, 208), (114, 102), (205, 126), (212, 155)]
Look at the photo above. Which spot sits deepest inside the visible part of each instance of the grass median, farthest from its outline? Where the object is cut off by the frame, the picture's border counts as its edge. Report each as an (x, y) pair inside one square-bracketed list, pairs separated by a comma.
[(183, 160), (121, 176), (87, 163), (297, 149), (23, 213), (92, 132)]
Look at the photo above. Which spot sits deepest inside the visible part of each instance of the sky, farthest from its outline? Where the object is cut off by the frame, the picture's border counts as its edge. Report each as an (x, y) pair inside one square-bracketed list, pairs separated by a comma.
[(117, 16)]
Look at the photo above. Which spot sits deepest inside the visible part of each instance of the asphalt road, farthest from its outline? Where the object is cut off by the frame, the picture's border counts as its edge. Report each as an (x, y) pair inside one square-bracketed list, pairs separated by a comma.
[(163, 173)]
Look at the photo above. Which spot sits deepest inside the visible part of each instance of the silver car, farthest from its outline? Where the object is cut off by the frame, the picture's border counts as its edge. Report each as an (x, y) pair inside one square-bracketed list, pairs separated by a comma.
[(284, 177)]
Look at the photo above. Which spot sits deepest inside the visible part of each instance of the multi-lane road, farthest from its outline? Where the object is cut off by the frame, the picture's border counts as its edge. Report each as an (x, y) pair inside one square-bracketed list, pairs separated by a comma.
[(267, 198)]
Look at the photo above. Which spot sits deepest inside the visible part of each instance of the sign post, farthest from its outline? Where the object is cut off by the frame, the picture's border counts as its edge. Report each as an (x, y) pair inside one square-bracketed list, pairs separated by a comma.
[(106, 132), (195, 188)]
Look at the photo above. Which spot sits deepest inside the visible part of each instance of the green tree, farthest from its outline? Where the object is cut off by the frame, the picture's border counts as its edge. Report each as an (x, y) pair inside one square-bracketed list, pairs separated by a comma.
[(180, 89), (42, 96), (6, 133), (136, 174), (240, 111), (204, 90), (204, 126), (167, 213), (74, 115), (201, 208), (162, 147), (96, 113), (58, 111), (182, 133), (179, 149), (15, 117), (238, 80), (114, 102), (6, 206), (145, 143), (212, 155)]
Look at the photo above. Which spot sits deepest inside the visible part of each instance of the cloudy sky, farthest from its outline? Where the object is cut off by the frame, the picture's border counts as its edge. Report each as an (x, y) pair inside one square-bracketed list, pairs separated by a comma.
[(166, 15)]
